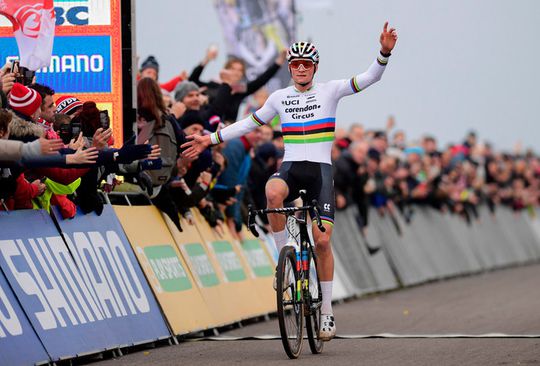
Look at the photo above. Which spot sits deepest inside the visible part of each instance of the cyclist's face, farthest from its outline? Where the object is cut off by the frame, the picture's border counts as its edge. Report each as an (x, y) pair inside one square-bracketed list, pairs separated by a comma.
[(302, 71)]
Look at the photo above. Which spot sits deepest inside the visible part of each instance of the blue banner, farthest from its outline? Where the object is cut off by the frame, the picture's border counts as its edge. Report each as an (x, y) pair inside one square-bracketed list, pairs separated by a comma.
[(79, 64), (19, 344), (37, 264), (111, 271)]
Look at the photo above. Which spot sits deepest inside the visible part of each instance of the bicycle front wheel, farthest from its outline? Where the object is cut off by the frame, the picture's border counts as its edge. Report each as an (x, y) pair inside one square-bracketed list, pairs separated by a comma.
[(289, 303), (313, 317)]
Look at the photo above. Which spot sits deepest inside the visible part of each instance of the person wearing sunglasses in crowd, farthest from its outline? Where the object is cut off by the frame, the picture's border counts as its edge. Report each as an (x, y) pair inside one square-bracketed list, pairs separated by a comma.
[(307, 111)]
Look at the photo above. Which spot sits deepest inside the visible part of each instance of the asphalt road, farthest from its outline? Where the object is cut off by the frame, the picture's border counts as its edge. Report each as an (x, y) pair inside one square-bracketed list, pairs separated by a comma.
[(505, 301)]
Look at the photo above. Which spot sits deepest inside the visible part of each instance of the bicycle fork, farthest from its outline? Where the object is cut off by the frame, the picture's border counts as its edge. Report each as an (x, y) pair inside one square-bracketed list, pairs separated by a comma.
[(302, 267)]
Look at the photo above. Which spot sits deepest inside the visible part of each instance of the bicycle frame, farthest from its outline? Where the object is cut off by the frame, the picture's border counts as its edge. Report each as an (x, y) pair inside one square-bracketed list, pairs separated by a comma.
[(305, 250), (304, 305)]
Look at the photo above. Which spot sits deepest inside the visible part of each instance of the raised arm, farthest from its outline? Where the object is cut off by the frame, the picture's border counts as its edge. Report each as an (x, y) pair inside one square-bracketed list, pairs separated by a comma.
[(388, 39)]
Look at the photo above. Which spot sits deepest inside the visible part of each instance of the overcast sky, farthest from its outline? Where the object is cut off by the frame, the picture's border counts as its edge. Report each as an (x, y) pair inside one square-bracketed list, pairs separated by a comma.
[(459, 65)]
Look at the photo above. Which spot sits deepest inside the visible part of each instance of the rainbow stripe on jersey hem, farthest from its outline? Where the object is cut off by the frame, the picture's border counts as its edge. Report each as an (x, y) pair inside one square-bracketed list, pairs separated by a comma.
[(326, 220)]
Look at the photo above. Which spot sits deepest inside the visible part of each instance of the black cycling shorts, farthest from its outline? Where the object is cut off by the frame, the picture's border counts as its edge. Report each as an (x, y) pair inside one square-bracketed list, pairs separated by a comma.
[(316, 179)]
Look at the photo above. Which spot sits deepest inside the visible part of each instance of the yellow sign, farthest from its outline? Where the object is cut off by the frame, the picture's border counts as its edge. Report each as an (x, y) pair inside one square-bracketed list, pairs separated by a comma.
[(168, 274), (218, 299), (239, 278)]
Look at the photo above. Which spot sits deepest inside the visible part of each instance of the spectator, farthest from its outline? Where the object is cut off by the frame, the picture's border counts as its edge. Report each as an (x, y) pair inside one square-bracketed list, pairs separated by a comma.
[(237, 153), (233, 75), (159, 128), (150, 69)]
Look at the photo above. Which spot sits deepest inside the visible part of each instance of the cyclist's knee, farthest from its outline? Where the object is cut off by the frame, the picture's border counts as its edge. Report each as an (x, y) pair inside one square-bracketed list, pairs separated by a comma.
[(276, 192), (323, 244)]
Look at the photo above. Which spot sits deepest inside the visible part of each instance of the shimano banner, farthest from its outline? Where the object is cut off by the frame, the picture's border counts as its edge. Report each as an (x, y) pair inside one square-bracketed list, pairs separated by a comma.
[(110, 270), (256, 31), (19, 344), (64, 312)]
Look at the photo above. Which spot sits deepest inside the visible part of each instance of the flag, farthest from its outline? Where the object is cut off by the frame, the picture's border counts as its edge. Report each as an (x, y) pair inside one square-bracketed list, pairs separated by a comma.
[(33, 26), (256, 31)]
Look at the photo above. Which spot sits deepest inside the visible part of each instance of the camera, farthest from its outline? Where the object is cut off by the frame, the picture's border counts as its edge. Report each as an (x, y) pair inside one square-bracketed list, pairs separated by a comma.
[(69, 131), (23, 75), (104, 119)]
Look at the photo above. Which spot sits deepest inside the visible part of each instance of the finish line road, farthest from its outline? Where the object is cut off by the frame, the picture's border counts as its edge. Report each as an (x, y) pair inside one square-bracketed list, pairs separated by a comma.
[(505, 301)]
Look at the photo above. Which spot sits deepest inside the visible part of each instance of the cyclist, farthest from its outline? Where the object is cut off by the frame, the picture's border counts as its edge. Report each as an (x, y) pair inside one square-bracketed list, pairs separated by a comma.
[(307, 111)]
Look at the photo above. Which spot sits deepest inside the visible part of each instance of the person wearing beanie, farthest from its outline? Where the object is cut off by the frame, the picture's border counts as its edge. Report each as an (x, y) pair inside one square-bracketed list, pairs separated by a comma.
[(183, 89), (192, 123), (68, 105), (25, 102), (150, 68), (188, 93)]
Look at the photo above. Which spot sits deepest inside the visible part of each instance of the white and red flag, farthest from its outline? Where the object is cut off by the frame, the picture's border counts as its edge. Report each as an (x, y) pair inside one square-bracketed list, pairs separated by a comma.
[(33, 26)]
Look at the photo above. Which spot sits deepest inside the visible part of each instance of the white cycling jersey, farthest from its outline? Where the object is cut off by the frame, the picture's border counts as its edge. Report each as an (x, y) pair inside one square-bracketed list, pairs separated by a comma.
[(308, 118)]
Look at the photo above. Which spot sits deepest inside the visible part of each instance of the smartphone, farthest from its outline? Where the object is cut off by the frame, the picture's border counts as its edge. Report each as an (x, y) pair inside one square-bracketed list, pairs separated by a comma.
[(104, 119), (14, 67), (75, 129), (23, 75)]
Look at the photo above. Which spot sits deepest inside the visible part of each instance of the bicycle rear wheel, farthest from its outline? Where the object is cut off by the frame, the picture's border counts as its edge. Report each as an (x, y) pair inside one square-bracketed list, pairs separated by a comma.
[(289, 305), (313, 317)]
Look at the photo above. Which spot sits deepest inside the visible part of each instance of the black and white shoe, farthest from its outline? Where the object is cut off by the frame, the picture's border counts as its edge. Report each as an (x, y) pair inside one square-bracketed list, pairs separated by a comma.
[(327, 329)]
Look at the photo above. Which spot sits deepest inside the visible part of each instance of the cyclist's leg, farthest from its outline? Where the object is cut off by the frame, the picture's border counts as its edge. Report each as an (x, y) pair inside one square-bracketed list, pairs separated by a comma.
[(325, 257), (277, 191), (323, 191)]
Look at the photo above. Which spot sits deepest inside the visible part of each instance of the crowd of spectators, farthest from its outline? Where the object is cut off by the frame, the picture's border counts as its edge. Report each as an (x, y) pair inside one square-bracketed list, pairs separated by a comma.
[(58, 151)]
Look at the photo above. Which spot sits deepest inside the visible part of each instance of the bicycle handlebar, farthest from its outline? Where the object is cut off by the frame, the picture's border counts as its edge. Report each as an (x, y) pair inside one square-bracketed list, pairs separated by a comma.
[(284, 211)]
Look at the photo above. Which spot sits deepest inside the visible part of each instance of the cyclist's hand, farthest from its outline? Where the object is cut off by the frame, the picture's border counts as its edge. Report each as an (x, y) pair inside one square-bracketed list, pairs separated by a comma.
[(196, 144), (388, 39)]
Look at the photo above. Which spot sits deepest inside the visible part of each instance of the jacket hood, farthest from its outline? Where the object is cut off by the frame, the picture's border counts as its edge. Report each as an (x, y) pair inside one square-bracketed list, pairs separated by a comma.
[(25, 131)]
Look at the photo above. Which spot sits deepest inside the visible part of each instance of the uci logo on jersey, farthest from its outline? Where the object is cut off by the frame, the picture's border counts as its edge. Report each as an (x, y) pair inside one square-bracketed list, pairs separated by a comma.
[(326, 207), (290, 102)]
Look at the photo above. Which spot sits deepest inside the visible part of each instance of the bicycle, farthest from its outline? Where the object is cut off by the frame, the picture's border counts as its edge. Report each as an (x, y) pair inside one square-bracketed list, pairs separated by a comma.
[(299, 294)]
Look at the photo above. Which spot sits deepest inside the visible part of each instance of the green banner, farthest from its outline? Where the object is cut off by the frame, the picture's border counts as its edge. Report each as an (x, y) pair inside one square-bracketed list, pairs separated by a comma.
[(257, 258), (229, 261), (202, 265), (167, 268)]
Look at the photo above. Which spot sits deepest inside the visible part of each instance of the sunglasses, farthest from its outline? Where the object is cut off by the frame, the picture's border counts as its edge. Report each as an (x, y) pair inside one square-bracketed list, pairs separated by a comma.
[(307, 64)]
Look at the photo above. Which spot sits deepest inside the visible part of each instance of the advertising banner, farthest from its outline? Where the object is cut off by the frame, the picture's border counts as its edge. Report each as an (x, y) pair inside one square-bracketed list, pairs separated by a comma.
[(86, 59), (111, 271), (205, 272), (237, 277), (260, 262), (167, 272), (65, 313), (19, 344)]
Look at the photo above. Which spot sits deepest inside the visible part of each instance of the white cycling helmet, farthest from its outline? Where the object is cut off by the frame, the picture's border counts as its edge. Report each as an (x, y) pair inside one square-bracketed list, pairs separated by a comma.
[(303, 50)]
